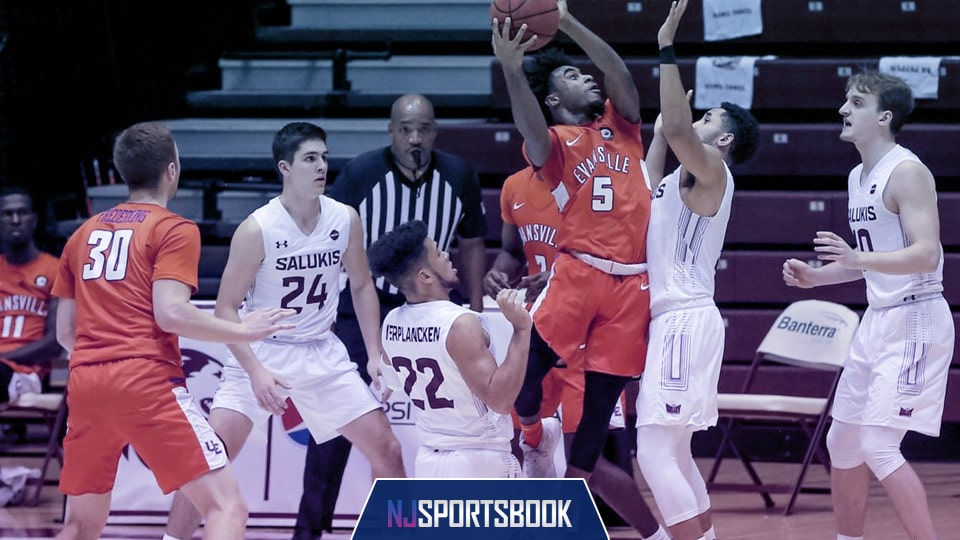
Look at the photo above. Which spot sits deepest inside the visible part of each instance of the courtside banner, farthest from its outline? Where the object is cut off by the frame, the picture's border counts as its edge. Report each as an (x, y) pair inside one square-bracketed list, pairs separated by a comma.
[(530, 509)]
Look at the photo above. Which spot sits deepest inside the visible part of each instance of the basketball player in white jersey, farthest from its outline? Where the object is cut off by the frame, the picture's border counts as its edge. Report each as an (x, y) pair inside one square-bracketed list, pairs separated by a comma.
[(439, 354), (289, 253), (895, 378), (688, 222)]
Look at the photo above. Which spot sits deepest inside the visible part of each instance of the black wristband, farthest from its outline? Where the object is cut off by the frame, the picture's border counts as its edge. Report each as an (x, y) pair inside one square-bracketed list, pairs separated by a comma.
[(667, 55)]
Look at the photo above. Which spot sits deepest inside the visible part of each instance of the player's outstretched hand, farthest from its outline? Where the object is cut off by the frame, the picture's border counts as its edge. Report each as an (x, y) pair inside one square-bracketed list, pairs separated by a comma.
[(510, 51), (797, 273), (267, 388), (511, 304), (669, 28), (375, 371), (494, 282), (534, 284), (831, 247), (263, 322)]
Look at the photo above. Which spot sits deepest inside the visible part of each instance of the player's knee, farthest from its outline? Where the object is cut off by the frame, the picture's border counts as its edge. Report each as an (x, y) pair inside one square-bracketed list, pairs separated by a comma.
[(651, 451), (843, 443), (388, 453), (880, 447), (393, 449), (237, 508)]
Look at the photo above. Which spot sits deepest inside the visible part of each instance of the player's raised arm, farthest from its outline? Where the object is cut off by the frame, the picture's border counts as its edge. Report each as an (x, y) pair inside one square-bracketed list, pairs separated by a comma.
[(619, 85), (527, 114)]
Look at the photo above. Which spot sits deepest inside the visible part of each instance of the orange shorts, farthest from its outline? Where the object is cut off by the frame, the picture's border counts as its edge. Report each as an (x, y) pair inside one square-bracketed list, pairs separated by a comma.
[(143, 403), (563, 390), (594, 320)]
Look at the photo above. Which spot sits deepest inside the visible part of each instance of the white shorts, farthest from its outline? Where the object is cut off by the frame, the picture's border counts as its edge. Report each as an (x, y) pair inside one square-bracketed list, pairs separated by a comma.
[(679, 384), (325, 385), (465, 463), (896, 374)]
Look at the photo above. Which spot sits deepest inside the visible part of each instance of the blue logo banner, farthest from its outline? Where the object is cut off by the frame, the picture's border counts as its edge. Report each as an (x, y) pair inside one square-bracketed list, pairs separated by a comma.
[(528, 509)]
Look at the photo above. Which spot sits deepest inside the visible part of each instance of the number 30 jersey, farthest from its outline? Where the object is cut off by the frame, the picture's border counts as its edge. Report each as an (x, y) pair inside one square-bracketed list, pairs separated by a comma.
[(449, 415), (109, 266), (301, 271)]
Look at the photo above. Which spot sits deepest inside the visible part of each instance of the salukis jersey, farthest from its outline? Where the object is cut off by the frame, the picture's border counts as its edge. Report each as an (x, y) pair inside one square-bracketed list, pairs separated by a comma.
[(449, 416), (683, 247), (301, 271), (876, 228)]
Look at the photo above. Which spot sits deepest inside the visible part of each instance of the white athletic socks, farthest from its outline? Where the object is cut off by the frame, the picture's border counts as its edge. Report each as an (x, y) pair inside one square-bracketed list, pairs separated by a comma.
[(844, 537), (661, 534)]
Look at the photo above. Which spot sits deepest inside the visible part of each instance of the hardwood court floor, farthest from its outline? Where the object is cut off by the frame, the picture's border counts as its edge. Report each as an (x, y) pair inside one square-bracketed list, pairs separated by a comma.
[(737, 516)]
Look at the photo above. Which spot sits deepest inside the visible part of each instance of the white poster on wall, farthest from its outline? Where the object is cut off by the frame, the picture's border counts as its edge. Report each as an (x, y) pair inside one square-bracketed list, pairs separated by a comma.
[(729, 19)]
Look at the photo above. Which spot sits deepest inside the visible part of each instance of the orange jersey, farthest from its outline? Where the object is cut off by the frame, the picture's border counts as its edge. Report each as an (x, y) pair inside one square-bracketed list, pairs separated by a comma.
[(109, 266), (527, 203), (25, 293), (595, 172)]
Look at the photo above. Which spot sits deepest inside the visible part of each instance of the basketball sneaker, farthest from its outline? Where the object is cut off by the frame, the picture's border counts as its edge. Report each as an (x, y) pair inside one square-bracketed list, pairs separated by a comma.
[(538, 462)]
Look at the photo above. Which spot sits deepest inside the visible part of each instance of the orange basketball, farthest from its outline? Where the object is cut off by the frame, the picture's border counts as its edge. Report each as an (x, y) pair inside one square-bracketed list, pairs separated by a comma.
[(540, 16)]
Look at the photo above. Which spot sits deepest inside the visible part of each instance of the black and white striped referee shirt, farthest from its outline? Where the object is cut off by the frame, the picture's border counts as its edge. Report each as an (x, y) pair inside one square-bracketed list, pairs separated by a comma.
[(447, 199)]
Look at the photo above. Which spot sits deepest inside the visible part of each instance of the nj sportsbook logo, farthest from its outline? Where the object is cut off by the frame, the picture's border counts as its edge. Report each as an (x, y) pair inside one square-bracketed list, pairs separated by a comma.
[(481, 509)]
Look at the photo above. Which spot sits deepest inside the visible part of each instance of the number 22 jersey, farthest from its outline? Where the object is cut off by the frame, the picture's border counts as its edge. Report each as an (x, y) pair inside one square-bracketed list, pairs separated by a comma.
[(449, 416)]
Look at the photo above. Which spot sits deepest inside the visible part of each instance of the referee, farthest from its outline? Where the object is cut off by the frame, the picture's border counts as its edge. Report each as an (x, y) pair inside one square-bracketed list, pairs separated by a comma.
[(402, 182)]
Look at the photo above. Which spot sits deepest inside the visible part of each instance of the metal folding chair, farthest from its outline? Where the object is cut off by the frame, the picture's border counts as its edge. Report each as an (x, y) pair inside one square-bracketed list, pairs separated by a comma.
[(807, 335)]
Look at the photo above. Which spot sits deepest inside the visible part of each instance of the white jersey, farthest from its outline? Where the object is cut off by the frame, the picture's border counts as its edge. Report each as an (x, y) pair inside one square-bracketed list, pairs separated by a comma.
[(449, 415), (876, 228), (301, 271), (683, 247)]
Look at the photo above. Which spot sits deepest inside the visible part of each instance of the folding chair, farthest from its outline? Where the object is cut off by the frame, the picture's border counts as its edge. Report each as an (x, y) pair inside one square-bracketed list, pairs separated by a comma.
[(810, 335), (49, 409)]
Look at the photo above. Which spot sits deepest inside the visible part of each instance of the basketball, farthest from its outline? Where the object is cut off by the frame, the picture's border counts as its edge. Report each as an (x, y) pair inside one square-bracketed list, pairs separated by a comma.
[(540, 16)]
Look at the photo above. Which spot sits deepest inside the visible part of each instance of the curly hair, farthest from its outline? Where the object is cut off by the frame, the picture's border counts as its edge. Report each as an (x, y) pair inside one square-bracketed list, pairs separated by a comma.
[(745, 129), (396, 253), (538, 69)]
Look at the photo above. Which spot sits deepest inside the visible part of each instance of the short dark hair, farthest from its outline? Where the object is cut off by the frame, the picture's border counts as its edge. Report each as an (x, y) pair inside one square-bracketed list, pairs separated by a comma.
[(291, 136), (396, 253), (142, 152), (745, 129), (539, 68), (7, 191), (893, 94)]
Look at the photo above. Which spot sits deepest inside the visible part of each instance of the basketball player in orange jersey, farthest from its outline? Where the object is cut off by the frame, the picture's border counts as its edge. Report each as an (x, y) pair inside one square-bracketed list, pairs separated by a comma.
[(530, 224), (28, 341), (595, 311), (126, 276)]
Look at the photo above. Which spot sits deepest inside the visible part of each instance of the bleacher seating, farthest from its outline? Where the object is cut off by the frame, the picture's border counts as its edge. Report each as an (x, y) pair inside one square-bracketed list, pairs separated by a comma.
[(346, 60), (494, 148), (889, 24), (779, 84)]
